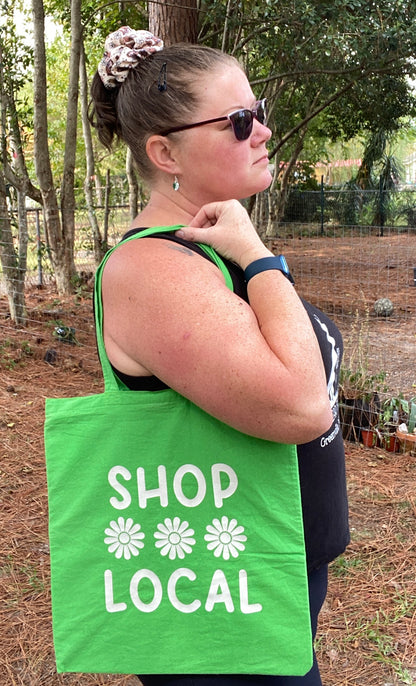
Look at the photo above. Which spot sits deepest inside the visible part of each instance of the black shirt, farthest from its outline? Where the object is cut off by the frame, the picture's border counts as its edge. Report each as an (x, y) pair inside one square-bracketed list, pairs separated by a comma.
[(322, 461)]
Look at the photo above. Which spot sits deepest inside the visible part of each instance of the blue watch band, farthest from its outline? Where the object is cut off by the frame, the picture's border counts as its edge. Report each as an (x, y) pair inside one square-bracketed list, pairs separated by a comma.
[(267, 263)]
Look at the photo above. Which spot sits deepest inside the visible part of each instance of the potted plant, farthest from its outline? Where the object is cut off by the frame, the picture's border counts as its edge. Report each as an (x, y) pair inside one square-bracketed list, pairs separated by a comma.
[(360, 388), (370, 437), (406, 431), (397, 422), (360, 405)]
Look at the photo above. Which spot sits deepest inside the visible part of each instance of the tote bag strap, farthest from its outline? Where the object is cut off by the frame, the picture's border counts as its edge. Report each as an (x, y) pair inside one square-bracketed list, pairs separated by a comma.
[(111, 381)]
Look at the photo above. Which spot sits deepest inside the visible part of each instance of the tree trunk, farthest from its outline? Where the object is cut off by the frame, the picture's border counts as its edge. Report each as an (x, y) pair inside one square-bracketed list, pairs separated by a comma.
[(277, 204), (133, 186), (60, 248), (16, 173), (54, 238), (68, 176), (175, 21), (107, 204), (13, 264), (272, 198), (14, 277), (260, 214), (100, 246)]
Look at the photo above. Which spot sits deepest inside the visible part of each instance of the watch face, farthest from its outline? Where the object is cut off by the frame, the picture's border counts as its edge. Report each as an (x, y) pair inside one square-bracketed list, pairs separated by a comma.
[(284, 264)]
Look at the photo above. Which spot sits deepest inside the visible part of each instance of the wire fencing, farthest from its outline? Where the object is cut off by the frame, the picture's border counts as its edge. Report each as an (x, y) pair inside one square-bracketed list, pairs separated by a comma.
[(323, 212), (342, 261), (353, 207)]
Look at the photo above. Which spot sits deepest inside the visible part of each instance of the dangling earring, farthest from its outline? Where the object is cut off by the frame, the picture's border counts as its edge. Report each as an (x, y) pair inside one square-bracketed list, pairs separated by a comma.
[(175, 184)]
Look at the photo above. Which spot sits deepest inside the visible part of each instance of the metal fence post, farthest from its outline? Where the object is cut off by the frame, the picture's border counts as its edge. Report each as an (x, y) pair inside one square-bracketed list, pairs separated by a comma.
[(381, 208), (39, 248)]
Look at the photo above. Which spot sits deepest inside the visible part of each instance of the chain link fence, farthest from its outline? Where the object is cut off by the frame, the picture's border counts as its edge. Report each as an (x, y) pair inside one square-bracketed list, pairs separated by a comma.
[(324, 213), (353, 207), (344, 262)]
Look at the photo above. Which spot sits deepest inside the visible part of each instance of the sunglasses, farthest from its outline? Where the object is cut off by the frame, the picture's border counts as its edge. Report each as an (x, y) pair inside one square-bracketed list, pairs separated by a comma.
[(241, 121)]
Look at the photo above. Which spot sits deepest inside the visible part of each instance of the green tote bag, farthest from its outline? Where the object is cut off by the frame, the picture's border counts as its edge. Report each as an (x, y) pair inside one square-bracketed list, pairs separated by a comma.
[(176, 541)]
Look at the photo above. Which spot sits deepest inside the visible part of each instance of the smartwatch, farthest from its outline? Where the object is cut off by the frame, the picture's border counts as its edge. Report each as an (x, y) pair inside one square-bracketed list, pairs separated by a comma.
[(267, 263)]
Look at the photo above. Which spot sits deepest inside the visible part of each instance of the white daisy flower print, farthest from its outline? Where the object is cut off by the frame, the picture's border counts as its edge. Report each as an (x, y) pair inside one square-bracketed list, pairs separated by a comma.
[(225, 538), (174, 538), (124, 538)]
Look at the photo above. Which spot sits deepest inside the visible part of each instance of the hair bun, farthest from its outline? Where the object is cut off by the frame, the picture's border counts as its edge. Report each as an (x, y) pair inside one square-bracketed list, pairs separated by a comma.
[(123, 49)]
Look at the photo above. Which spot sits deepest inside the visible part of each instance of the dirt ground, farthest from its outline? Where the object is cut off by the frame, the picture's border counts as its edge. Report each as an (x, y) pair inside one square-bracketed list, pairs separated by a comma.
[(345, 277), (367, 632)]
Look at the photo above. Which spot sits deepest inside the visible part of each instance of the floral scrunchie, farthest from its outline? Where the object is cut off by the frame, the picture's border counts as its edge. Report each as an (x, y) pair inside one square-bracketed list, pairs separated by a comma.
[(122, 51)]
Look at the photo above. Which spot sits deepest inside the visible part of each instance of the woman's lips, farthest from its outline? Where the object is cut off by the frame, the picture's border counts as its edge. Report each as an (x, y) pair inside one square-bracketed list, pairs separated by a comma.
[(263, 158)]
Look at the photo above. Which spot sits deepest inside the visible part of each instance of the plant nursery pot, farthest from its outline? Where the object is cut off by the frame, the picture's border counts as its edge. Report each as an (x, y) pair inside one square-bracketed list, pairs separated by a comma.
[(391, 443), (369, 438), (408, 440)]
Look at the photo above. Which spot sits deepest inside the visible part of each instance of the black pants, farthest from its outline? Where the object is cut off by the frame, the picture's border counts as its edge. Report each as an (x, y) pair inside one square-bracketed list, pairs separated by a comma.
[(318, 584)]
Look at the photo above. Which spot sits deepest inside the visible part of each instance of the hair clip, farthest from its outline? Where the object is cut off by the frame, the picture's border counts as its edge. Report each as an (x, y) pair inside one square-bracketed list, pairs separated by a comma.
[(161, 84)]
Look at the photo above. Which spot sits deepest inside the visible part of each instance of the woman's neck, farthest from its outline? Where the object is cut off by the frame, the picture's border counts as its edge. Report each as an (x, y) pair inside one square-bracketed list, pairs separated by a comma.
[(163, 210)]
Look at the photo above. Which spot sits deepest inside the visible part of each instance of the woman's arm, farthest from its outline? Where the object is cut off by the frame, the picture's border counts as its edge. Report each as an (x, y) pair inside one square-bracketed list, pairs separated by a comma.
[(255, 366)]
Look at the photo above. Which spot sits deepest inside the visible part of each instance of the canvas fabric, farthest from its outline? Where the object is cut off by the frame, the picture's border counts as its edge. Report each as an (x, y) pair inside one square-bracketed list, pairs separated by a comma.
[(176, 541)]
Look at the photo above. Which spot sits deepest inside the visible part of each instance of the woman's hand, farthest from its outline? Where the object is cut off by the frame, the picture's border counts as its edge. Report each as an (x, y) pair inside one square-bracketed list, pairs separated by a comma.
[(226, 227)]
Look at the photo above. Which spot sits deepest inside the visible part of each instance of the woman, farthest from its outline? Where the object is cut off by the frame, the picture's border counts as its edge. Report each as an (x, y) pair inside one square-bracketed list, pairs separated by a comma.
[(258, 358)]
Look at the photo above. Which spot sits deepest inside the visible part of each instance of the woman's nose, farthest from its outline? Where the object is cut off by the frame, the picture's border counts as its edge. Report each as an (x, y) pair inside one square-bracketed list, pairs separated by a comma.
[(261, 133)]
